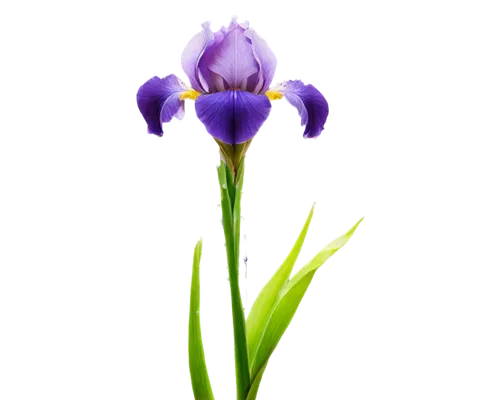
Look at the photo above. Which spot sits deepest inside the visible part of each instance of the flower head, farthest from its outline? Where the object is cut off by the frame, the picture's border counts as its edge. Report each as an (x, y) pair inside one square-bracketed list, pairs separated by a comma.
[(230, 72)]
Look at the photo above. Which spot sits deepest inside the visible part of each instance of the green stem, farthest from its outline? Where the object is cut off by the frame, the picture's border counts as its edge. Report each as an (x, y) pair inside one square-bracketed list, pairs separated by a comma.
[(230, 203)]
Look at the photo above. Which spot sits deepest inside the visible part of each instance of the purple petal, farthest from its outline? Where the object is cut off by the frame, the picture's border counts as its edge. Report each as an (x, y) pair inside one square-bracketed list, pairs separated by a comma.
[(211, 81), (233, 116), (309, 102), (158, 101), (245, 24), (233, 23), (233, 58), (265, 58), (192, 54)]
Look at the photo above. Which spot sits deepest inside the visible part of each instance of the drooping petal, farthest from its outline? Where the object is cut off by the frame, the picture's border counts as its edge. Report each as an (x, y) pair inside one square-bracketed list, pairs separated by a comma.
[(233, 116), (193, 52), (265, 58), (309, 102), (233, 58), (158, 101)]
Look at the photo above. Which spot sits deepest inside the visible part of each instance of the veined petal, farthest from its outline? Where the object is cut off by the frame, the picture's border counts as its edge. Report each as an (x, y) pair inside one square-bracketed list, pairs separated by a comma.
[(158, 101), (211, 81), (233, 58), (233, 116), (233, 23), (309, 102), (193, 52), (265, 58)]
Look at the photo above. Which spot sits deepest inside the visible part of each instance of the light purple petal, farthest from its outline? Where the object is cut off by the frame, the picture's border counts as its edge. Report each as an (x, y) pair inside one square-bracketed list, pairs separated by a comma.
[(265, 58), (245, 24), (233, 58), (192, 53), (254, 83), (233, 116), (223, 29), (211, 81), (309, 102), (158, 101), (233, 23)]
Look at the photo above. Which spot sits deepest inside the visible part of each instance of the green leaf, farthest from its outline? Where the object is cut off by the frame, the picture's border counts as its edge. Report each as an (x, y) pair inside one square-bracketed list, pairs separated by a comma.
[(197, 366), (230, 185), (252, 393), (264, 304), (286, 305), (237, 211), (231, 222), (319, 259)]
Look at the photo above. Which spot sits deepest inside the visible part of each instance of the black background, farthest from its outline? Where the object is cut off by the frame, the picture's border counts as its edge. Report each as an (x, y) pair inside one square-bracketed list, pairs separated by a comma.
[(338, 350)]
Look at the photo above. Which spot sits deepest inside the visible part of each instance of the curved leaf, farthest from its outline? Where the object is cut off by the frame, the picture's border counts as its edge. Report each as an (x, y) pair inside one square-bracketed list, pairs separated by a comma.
[(252, 393), (197, 366), (264, 304), (288, 301)]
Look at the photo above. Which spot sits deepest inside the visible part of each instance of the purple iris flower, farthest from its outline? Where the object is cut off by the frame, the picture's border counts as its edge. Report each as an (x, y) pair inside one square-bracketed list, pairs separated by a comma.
[(230, 72)]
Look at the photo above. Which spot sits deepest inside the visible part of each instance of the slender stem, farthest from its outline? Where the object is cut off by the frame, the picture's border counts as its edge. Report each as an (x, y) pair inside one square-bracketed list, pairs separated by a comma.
[(230, 204)]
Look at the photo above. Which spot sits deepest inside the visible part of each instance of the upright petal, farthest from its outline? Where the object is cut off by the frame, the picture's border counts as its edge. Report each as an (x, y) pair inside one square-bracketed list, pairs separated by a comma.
[(193, 52), (233, 58), (158, 101), (309, 102), (265, 58), (211, 81), (233, 23), (233, 116)]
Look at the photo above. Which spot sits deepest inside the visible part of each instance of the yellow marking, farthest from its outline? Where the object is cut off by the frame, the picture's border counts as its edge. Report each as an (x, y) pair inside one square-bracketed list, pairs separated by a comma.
[(189, 94), (274, 95)]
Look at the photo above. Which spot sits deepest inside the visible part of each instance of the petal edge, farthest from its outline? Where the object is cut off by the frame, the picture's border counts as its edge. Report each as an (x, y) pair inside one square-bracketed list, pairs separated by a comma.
[(158, 101), (233, 116), (309, 102)]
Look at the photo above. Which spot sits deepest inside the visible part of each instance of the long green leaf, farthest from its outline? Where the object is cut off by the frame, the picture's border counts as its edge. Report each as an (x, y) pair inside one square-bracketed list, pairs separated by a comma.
[(319, 259), (230, 183), (197, 366), (264, 304), (231, 211), (287, 303), (252, 393)]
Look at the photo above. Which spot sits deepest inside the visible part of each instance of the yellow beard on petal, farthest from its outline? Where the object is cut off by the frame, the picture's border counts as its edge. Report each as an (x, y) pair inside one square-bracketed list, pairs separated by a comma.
[(274, 95), (189, 94)]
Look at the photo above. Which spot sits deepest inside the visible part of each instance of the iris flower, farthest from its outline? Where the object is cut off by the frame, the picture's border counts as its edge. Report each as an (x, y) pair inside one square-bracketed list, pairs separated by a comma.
[(230, 72)]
